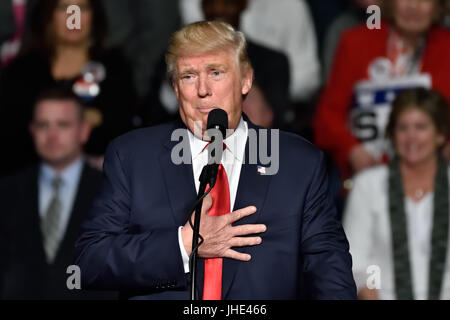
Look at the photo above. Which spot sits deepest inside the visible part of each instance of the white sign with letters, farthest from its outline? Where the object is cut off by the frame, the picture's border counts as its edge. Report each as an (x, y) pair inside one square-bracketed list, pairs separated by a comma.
[(371, 107)]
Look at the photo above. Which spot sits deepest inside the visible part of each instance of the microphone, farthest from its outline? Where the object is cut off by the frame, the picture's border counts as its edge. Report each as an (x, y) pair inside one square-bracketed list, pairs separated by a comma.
[(217, 121)]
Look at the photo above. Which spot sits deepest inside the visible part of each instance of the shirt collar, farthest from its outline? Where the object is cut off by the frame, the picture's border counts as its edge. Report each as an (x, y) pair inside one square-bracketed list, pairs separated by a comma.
[(69, 175), (235, 142)]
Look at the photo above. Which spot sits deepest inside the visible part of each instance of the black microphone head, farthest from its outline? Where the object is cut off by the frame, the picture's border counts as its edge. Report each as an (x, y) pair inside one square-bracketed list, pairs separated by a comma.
[(218, 118)]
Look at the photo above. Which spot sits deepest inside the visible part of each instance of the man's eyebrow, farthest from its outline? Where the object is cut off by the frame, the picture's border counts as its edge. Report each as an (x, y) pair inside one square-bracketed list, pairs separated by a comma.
[(216, 66), (187, 70), (208, 67)]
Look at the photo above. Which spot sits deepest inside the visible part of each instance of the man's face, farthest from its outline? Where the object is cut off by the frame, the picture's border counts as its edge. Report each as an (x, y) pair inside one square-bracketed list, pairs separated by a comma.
[(58, 132), (208, 81)]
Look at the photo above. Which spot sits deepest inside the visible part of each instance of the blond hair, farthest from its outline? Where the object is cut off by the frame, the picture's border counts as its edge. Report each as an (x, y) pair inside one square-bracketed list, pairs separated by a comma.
[(204, 37)]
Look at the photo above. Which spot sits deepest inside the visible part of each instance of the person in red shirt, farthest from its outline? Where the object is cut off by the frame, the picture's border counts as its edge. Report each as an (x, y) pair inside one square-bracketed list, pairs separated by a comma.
[(413, 43)]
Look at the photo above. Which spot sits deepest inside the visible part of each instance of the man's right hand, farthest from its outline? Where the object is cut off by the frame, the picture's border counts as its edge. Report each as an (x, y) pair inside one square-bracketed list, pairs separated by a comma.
[(220, 236)]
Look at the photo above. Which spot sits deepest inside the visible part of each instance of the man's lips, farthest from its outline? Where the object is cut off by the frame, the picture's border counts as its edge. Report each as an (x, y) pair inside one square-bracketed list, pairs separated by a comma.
[(205, 109)]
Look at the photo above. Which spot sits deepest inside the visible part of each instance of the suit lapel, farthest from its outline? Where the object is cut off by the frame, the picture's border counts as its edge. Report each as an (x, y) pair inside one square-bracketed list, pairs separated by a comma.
[(180, 186), (252, 191), (31, 222), (179, 180)]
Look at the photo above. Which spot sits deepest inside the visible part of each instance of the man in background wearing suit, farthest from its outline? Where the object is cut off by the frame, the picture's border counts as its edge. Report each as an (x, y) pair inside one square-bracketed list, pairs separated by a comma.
[(265, 236), (43, 206)]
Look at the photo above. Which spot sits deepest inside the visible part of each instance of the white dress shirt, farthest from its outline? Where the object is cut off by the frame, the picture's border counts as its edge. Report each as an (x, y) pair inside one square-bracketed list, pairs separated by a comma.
[(283, 25), (368, 229), (70, 178), (232, 159)]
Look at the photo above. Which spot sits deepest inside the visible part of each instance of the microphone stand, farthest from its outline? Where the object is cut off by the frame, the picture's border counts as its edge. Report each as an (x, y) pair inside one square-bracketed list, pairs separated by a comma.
[(196, 229), (208, 176)]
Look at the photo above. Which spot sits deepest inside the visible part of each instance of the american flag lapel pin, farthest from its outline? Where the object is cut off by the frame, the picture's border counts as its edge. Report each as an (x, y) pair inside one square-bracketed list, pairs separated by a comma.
[(261, 170)]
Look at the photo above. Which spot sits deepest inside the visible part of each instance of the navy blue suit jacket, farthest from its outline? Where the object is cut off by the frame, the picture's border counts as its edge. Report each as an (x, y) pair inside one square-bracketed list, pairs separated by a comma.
[(129, 241)]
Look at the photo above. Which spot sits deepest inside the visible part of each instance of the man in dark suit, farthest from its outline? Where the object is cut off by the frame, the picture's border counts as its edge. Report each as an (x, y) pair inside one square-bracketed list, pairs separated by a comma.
[(43, 206), (268, 233)]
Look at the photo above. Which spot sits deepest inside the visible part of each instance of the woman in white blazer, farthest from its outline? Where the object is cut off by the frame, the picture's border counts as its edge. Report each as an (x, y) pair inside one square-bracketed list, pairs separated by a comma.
[(397, 215)]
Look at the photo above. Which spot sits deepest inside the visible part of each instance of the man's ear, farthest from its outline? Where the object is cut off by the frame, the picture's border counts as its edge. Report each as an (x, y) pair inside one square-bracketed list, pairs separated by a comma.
[(247, 81)]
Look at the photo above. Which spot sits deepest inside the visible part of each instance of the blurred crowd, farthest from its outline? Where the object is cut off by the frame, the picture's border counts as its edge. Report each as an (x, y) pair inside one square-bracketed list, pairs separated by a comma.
[(375, 100)]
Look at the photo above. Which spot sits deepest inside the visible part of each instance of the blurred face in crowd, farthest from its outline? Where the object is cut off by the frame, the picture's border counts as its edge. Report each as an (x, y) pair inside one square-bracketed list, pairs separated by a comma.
[(208, 81), (414, 17), (62, 33), (416, 137), (59, 132), (224, 10)]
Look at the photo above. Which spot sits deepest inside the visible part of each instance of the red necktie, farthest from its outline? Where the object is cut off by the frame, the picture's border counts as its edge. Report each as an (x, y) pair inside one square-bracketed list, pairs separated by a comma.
[(212, 284)]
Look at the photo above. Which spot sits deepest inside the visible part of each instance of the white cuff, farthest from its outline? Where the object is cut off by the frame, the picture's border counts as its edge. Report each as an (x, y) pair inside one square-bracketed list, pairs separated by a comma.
[(184, 254)]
